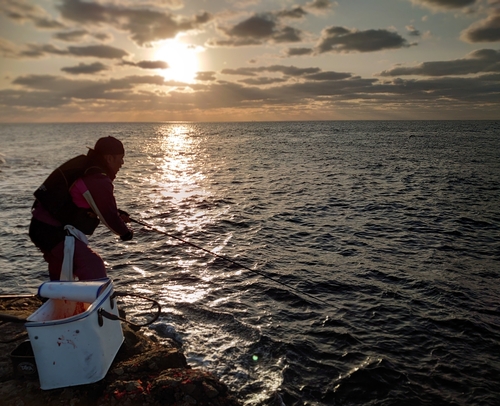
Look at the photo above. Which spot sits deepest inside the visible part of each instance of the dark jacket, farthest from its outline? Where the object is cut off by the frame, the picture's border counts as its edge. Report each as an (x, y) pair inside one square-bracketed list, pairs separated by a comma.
[(92, 193)]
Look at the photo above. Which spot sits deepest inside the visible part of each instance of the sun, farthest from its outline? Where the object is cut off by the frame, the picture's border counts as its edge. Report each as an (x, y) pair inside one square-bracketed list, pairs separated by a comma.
[(182, 60)]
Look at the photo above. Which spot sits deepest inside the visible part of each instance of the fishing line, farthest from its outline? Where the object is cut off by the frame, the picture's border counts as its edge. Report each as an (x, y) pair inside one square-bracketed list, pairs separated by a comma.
[(296, 291)]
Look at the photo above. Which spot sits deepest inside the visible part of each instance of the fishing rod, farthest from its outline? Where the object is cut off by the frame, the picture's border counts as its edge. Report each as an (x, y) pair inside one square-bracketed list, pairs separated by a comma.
[(296, 291)]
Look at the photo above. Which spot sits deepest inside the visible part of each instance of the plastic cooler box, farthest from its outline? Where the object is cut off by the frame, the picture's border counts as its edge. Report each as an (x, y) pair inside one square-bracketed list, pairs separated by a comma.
[(72, 342)]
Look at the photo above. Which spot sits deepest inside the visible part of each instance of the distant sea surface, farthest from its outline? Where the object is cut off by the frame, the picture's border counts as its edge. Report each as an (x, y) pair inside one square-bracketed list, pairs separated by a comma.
[(393, 226)]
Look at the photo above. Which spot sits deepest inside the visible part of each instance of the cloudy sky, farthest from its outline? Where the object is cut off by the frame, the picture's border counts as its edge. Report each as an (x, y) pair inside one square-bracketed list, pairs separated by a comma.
[(243, 60)]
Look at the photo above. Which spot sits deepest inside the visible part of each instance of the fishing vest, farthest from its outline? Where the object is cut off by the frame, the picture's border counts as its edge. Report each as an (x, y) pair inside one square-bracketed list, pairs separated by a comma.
[(54, 194)]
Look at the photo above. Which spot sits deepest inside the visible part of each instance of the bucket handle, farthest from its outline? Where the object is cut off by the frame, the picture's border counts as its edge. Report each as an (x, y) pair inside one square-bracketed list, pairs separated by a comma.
[(101, 313)]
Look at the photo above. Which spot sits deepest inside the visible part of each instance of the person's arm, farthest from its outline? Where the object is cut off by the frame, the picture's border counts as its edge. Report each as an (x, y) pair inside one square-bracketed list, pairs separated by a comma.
[(100, 197), (124, 216)]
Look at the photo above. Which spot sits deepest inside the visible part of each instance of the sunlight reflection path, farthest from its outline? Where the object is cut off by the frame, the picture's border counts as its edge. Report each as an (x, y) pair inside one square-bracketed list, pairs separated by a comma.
[(178, 177), (182, 204)]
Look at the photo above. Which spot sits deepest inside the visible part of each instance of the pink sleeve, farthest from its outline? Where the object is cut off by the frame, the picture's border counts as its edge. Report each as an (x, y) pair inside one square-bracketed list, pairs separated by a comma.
[(100, 192), (77, 191)]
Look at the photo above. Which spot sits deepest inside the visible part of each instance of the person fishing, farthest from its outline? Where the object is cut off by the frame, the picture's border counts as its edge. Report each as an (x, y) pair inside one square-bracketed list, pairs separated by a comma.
[(71, 203)]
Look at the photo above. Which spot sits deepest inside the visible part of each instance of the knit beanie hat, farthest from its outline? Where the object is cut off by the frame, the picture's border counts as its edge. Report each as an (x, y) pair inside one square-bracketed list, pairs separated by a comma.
[(109, 146)]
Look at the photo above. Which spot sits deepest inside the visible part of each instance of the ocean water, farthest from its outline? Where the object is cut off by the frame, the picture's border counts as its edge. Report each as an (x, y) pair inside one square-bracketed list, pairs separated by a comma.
[(393, 226)]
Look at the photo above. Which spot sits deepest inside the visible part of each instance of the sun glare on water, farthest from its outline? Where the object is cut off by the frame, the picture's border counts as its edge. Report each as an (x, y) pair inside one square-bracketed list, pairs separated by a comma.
[(182, 60)]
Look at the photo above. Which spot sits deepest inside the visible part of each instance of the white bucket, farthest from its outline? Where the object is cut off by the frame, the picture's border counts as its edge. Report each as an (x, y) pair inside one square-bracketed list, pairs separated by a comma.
[(72, 343)]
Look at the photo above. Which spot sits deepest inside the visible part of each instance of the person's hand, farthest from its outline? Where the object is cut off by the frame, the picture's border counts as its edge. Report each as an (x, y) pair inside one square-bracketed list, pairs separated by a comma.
[(124, 216), (128, 236)]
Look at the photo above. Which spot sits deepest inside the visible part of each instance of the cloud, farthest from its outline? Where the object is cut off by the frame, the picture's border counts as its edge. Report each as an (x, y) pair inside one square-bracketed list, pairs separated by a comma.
[(83, 68), (233, 42), (67, 89), (262, 81), (260, 28), (284, 70), (78, 35), (289, 70), (38, 51), (8, 49), (296, 12), (312, 74), (320, 5), (328, 76), (22, 100), (288, 34), (98, 51), (152, 64), (265, 27), (22, 11), (71, 36), (102, 36), (445, 4), (205, 76), (484, 60), (487, 30), (413, 31), (171, 4), (341, 39), (241, 71), (148, 64), (145, 25), (298, 51), (39, 94)]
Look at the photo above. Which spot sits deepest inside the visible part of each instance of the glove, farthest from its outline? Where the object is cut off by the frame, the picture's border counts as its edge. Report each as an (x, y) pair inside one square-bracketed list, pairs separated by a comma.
[(128, 236)]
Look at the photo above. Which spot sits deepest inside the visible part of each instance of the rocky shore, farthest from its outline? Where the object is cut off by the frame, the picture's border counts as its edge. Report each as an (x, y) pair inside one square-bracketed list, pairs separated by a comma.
[(145, 372)]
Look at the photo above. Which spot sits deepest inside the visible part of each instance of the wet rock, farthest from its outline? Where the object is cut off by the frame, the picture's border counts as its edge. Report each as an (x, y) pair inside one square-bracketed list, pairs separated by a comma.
[(210, 391)]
